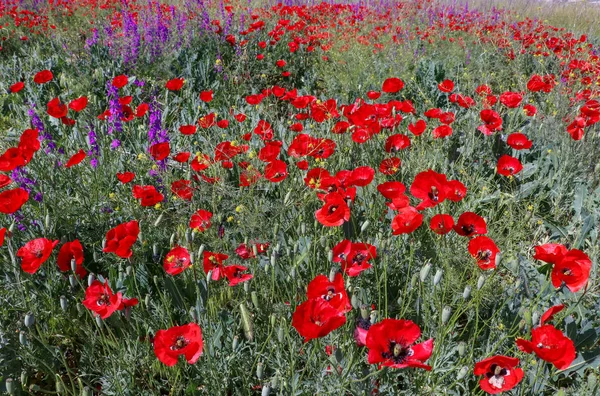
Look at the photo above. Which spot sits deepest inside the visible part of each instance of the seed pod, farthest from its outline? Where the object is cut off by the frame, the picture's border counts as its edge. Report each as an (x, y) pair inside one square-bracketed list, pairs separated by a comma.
[(11, 388), (201, 250), (246, 322), (158, 219), (73, 265), (246, 287), (22, 338), (330, 256), (364, 312), (461, 348), (437, 277), (266, 390), (99, 321), (332, 273), (47, 221), (254, 298), (103, 243), (273, 259), (64, 303), (364, 226), (155, 249), (29, 319), (425, 271), (467, 292), (480, 282), (236, 341), (374, 316), (91, 279), (446, 312), (259, 370), (462, 373), (128, 270)]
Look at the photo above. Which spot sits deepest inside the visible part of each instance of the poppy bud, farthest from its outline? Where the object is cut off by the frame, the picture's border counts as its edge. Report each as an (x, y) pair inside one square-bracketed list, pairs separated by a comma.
[(535, 317), (293, 273), (246, 287), (22, 338), (527, 317), (467, 292), (255, 250), (157, 221), (273, 257), (59, 385), (425, 271), (254, 298), (330, 255), (246, 322), (63, 303), (172, 239), (364, 226), (332, 273), (275, 230), (267, 267), (266, 390), (73, 265), (236, 341), (287, 197), (437, 277), (91, 279), (303, 228), (259, 370), (147, 300), (72, 281), (201, 250), (461, 348), (99, 321), (446, 314), (413, 281), (103, 243), (354, 301), (188, 236), (364, 311), (47, 221), (95, 257), (128, 270), (208, 276), (280, 334), (11, 388), (29, 319), (461, 374), (480, 282), (273, 319), (373, 316), (275, 381), (323, 241), (296, 248)]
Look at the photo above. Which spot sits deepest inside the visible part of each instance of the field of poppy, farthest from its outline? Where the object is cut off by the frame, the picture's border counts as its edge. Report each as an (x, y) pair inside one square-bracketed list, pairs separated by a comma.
[(295, 198)]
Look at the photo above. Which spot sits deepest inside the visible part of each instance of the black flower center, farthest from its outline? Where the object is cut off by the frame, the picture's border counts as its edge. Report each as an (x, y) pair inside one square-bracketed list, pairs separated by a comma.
[(180, 343), (398, 352)]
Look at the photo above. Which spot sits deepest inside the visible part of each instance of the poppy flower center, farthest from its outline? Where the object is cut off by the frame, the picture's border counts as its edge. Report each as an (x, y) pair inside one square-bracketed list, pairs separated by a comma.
[(567, 272), (332, 209), (104, 299), (398, 352), (359, 259), (496, 376), (484, 255), (330, 293), (180, 343), (433, 194), (468, 229)]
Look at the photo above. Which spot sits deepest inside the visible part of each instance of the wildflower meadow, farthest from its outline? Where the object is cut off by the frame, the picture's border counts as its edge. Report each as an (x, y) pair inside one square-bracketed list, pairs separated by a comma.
[(241, 197)]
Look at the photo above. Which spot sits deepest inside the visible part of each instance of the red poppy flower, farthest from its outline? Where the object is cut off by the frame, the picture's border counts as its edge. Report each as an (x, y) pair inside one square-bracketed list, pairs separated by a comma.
[(183, 340), (391, 189), (120, 81), (11, 159), (492, 122), (508, 166), (529, 110), (334, 212), (100, 299), (200, 220), (206, 96), (177, 260), (518, 141), (29, 144), (373, 95), (12, 200), (390, 166), (121, 238), (78, 104), (447, 118), (214, 261), (276, 171), (2, 235), (573, 269), (17, 87), (511, 99), (4, 181), (235, 274), (148, 195), (125, 177), (71, 251), (442, 131), (390, 343), (332, 292), (550, 312), (485, 251), (430, 187), (500, 374), (441, 224), (316, 318), (407, 220), (270, 151), (396, 143), (417, 128), (160, 151), (455, 190), (183, 189), (240, 117), (446, 86), (187, 129), (549, 344), (142, 109), (182, 157), (550, 252), (175, 84), (357, 258), (361, 176), (392, 85), (35, 253), (56, 109), (43, 77), (75, 159), (470, 224)]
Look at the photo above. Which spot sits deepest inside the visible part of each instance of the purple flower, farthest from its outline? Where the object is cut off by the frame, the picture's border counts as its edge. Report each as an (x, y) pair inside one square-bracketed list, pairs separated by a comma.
[(115, 143)]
